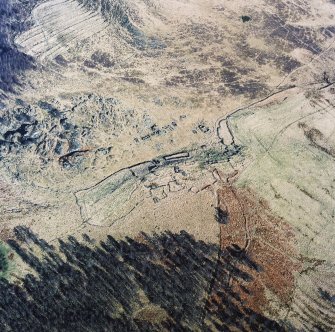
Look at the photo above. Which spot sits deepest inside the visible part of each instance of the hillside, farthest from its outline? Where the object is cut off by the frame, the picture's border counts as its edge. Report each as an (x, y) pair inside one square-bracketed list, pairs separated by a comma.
[(167, 166)]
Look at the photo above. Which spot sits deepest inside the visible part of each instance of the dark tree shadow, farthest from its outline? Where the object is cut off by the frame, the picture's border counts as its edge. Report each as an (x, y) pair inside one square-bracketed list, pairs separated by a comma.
[(82, 286)]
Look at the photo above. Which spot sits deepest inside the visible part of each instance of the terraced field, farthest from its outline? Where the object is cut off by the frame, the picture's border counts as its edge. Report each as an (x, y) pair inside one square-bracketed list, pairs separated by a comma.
[(167, 166), (57, 26)]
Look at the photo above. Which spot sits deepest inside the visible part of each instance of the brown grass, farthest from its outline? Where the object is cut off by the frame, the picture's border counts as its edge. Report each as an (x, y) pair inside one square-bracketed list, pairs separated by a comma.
[(267, 240)]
